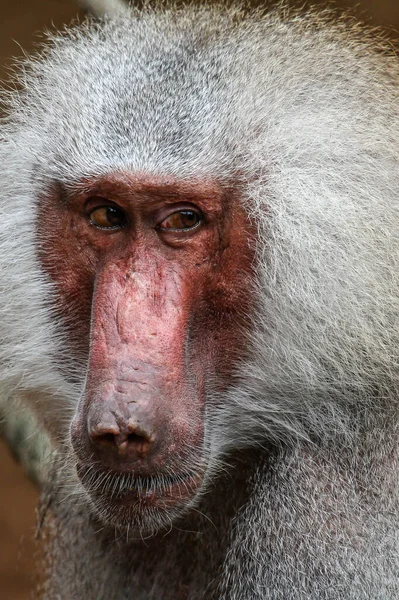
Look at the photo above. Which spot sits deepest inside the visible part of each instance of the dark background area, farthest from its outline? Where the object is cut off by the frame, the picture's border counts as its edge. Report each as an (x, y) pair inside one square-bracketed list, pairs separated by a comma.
[(21, 22)]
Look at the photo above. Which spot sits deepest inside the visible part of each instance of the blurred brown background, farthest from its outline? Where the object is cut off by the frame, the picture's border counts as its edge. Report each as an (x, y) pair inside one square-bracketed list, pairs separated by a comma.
[(20, 23)]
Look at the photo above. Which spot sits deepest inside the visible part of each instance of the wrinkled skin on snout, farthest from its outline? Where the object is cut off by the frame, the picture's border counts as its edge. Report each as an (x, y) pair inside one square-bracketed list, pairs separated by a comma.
[(153, 283)]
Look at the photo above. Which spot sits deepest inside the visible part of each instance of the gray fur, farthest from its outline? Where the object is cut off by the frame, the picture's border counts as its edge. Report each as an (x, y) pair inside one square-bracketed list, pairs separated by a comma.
[(104, 7), (303, 113)]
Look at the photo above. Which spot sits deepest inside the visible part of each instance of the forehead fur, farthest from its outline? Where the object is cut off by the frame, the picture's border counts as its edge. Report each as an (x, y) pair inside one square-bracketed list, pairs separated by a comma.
[(192, 91)]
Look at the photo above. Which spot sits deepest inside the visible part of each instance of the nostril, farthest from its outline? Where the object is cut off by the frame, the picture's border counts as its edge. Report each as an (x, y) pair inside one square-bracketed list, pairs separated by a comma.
[(137, 441), (135, 438), (106, 439)]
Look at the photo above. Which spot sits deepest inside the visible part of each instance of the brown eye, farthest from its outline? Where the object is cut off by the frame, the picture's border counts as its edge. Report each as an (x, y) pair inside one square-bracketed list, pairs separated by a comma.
[(182, 219), (108, 217)]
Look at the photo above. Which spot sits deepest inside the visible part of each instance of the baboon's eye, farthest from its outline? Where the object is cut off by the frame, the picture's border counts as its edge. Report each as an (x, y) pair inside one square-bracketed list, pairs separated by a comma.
[(108, 217), (180, 220)]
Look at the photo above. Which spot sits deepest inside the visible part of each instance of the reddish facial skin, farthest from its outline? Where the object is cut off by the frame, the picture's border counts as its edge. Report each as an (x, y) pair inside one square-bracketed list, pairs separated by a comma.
[(165, 308)]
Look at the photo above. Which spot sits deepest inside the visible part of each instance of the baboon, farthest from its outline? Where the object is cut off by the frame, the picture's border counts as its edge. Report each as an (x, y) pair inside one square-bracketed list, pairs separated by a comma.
[(199, 257)]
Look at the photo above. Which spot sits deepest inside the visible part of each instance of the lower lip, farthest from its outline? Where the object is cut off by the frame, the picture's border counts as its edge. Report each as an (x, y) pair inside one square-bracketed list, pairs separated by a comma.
[(175, 493)]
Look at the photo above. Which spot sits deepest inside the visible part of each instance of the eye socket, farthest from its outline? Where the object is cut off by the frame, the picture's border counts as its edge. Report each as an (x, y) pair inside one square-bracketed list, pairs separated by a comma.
[(108, 217), (181, 220)]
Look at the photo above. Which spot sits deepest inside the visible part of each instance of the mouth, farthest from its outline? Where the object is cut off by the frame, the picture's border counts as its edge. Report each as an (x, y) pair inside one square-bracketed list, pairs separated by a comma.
[(134, 495), (164, 489)]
